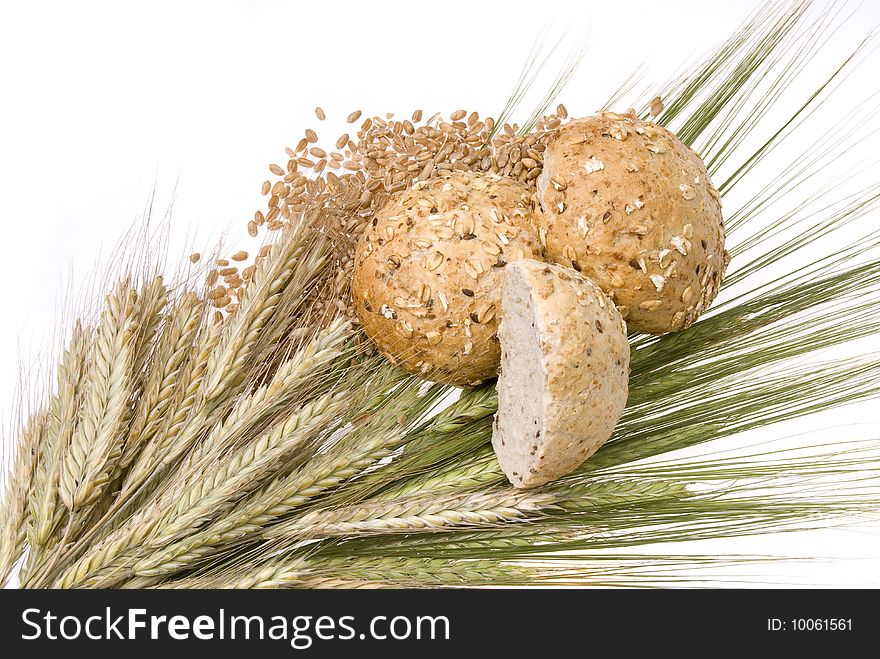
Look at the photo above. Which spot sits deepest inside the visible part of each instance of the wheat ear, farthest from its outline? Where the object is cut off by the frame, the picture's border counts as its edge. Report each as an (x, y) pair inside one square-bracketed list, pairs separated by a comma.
[(96, 442), (290, 264), (400, 572), (215, 488), (175, 344), (18, 491), (367, 444), (63, 413), (302, 369), (285, 492), (457, 429), (362, 573), (417, 514), (290, 267), (462, 474), (208, 492), (305, 370), (152, 299), (431, 512), (134, 532), (146, 471)]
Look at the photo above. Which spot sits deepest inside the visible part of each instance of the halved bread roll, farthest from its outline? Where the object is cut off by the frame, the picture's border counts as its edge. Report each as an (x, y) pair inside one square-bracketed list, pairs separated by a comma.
[(564, 372)]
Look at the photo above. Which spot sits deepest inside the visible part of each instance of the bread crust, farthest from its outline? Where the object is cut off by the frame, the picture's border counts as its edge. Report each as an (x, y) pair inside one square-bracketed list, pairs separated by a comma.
[(584, 380), (631, 207), (427, 273)]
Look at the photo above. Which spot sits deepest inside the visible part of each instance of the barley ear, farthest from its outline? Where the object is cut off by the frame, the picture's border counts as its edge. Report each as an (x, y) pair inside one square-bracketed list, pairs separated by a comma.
[(152, 298)]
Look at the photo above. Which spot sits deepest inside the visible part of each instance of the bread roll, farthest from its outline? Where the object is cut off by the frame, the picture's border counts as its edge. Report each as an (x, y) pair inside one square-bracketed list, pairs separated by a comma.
[(564, 372), (631, 207), (427, 273)]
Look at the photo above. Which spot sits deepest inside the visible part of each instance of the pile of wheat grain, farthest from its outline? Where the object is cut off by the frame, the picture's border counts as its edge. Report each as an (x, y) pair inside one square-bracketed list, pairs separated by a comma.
[(343, 187)]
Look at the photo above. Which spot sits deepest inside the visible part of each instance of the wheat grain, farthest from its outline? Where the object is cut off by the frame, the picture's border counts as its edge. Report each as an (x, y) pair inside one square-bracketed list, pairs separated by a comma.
[(385, 157)]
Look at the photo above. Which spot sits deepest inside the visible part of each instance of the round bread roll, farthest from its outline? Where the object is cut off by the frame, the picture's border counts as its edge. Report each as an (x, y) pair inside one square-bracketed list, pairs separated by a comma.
[(632, 207), (427, 273), (564, 372)]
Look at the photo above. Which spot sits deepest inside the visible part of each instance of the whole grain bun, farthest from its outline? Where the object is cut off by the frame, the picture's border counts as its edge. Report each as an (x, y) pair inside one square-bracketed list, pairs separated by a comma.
[(564, 372), (427, 273), (631, 207)]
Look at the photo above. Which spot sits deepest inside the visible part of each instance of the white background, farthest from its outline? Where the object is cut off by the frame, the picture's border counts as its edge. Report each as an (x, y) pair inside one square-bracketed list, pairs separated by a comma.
[(102, 102)]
